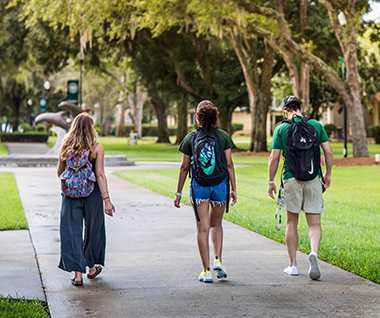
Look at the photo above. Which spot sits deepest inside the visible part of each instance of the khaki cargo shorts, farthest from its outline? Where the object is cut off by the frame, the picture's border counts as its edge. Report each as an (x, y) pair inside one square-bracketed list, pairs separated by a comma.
[(302, 195)]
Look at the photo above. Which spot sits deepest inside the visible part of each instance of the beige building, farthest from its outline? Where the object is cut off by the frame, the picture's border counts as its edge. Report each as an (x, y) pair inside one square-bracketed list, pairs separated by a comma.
[(331, 115)]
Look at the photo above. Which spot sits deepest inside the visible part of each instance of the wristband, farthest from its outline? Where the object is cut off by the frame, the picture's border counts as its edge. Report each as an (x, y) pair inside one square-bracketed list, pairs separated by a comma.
[(270, 182), (178, 193), (105, 198)]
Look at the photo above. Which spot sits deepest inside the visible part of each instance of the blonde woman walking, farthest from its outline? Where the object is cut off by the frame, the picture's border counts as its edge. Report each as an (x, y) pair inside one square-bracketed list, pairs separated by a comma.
[(88, 204)]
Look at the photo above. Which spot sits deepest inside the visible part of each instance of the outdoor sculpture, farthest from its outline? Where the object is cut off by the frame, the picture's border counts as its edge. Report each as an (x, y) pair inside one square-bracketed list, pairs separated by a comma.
[(60, 132), (56, 119), (72, 109), (61, 124)]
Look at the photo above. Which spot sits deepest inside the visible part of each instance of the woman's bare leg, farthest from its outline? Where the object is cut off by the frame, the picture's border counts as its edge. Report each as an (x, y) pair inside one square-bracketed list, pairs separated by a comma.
[(203, 227), (216, 218)]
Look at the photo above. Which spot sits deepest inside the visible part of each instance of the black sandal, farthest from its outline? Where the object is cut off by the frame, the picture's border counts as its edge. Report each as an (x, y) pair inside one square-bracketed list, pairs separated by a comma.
[(98, 270), (76, 283)]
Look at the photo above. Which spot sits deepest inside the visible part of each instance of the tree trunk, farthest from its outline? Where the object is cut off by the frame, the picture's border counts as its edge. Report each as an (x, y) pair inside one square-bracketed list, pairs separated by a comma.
[(346, 35), (305, 87), (136, 101), (162, 111), (264, 101), (15, 114), (182, 119), (120, 125), (138, 121), (250, 76), (225, 116), (204, 64), (304, 67)]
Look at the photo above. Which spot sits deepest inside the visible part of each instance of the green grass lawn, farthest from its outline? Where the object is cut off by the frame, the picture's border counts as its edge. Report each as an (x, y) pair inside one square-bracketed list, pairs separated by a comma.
[(148, 150), (21, 308), (12, 215), (350, 222), (3, 149)]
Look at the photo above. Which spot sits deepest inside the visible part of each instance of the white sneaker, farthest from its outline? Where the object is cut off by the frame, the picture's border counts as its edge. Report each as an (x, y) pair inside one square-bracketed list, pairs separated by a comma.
[(314, 269), (291, 270), (219, 269), (206, 276)]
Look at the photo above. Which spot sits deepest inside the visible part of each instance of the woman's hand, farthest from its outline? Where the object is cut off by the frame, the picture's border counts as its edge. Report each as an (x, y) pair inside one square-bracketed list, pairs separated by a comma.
[(233, 197), (177, 201), (109, 208)]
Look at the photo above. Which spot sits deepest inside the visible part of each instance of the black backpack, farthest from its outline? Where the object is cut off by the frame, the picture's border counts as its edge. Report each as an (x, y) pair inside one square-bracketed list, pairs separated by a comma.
[(209, 161), (303, 154)]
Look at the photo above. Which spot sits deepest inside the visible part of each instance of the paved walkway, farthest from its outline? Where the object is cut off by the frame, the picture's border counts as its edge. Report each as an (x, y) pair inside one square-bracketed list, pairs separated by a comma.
[(152, 264), (15, 148)]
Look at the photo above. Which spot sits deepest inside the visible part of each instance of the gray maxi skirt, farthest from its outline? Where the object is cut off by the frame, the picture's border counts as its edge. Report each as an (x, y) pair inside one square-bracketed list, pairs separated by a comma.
[(78, 251)]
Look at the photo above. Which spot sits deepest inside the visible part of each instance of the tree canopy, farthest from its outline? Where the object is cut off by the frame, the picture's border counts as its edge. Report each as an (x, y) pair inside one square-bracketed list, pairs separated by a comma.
[(193, 49)]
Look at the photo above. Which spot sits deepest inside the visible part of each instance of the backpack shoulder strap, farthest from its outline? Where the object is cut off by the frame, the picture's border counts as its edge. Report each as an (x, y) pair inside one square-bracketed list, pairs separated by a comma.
[(305, 119), (195, 131)]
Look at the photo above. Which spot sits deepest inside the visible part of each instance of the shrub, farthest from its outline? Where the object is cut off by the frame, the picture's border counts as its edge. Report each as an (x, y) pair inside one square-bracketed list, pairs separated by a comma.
[(149, 130), (374, 131), (192, 127), (236, 127), (26, 127), (40, 128), (23, 137), (330, 128)]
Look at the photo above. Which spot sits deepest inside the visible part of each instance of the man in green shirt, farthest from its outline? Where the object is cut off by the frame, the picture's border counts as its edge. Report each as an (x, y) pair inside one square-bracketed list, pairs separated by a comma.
[(299, 195)]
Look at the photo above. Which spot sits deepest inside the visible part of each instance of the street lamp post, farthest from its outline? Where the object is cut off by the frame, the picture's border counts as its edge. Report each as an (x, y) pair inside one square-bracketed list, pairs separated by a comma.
[(43, 100), (29, 103), (80, 79)]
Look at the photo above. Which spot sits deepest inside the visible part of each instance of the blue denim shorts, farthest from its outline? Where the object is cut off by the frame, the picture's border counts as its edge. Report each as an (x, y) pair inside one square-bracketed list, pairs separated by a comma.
[(217, 194)]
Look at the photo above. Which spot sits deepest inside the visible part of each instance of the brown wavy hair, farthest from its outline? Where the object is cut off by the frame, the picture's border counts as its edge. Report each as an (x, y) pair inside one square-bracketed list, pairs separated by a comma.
[(207, 115), (81, 136)]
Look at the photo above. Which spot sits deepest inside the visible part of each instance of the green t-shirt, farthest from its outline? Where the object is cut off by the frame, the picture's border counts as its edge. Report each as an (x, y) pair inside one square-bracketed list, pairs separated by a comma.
[(185, 146), (279, 140)]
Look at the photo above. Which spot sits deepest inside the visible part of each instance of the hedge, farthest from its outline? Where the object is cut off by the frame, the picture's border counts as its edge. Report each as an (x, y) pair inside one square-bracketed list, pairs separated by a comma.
[(374, 131), (152, 129), (23, 137), (234, 127), (329, 128), (149, 130)]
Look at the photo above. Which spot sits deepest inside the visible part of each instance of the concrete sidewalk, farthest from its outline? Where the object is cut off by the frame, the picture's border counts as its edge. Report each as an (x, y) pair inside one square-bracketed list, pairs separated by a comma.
[(152, 264)]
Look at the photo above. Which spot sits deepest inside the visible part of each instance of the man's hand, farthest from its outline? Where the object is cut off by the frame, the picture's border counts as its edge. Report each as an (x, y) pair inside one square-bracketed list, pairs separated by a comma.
[(271, 189), (327, 179)]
